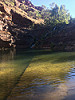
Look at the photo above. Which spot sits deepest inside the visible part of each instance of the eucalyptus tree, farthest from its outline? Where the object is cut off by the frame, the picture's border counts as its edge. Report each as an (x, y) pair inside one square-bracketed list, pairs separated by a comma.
[(56, 15)]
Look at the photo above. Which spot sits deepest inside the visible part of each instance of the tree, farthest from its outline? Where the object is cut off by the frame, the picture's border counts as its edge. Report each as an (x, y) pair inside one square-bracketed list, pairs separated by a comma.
[(44, 7), (57, 15)]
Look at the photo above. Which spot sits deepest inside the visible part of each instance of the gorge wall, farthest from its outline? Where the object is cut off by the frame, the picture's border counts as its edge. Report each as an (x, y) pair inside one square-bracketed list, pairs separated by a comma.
[(16, 31)]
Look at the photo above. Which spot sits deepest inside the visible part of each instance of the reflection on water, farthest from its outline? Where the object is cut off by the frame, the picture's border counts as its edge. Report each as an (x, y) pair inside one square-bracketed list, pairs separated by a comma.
[(12, 66), (45, 80), (71, 85), (37, 75), (8, 55)]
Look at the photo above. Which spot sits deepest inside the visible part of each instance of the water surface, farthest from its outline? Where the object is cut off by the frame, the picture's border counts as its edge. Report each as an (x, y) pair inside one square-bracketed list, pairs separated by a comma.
[(37, 75)]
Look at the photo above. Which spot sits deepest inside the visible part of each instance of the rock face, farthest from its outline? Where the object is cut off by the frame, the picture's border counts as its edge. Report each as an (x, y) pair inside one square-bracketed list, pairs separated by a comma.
[(15, 31), (17, 2), (20, 20), (2, 8), (5, 35), (28, 3), (65, 40), (10, 29), (14, 26)]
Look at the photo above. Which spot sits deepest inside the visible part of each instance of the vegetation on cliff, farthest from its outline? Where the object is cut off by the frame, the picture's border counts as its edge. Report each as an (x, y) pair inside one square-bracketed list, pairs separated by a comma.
[(56, 15), (23, 25)]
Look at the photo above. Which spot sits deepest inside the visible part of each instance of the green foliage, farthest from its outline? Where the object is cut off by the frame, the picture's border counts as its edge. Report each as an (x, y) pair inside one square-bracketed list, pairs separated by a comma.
[(53, 16), (23, 2), (35, 14), (12, 2), (46, 14), (56, 15), (22, 6), (44, 7), (38, 15)]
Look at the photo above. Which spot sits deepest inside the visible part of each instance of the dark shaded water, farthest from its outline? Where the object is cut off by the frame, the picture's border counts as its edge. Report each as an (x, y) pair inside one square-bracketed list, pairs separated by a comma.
[(37, 75)]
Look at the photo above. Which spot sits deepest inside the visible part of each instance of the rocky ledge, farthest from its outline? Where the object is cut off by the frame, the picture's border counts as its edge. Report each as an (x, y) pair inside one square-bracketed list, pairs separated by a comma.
[(16, 31), (14, 27)]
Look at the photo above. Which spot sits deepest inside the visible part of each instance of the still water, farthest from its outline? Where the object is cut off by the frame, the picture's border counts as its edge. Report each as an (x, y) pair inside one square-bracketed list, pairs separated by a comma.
[(37, 75)]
